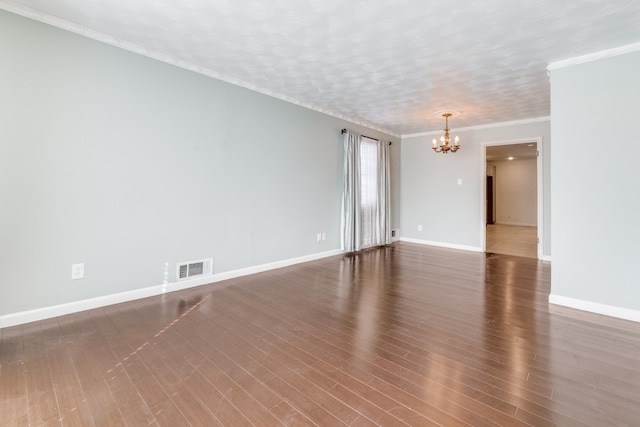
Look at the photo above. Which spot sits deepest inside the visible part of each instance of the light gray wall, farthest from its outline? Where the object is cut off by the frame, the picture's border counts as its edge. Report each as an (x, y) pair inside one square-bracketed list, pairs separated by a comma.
[(454, 214), (125, 163), (516, 195), (595, 111)]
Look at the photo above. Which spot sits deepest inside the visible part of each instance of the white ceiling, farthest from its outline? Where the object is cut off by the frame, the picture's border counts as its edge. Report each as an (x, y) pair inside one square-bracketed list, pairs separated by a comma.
[(389, 64)]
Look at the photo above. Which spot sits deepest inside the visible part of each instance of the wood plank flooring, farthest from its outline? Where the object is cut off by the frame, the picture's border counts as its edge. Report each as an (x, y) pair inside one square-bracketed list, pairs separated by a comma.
[(512, 240), (405, 335)]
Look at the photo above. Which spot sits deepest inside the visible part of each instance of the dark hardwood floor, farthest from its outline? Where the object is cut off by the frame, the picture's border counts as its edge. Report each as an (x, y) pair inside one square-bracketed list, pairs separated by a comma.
[(401, 335)]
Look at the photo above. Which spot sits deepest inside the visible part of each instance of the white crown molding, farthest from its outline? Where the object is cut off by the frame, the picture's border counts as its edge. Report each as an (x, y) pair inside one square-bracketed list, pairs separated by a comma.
[(622, 50), (442, 244), (594, 307), (132, 47), (487, 126), (102, 301)]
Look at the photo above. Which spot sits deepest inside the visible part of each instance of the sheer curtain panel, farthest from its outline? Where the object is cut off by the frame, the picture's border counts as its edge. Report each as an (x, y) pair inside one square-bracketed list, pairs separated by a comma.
[(383, 226), (351, 193)]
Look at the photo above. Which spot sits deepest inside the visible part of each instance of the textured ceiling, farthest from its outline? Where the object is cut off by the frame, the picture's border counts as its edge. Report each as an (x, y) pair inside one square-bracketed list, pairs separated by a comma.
[(388, 63)]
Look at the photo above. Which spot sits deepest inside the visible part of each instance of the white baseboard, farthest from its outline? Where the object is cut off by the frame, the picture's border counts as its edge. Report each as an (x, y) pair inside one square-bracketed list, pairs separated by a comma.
[(519, 224), (546, 258), (594, 307), (442, 245), (88, 304), (273, 265)]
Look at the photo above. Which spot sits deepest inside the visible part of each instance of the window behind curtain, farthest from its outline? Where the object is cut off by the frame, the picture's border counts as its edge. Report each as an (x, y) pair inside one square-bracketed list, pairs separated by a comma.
[(368, 190)]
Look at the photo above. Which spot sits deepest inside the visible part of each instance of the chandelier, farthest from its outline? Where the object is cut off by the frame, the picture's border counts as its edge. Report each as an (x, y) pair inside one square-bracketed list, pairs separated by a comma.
[(445, 139)]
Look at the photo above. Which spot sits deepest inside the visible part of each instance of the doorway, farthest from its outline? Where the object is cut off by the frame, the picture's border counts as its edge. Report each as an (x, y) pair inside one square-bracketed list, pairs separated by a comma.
[(513, 198), (490, 199)]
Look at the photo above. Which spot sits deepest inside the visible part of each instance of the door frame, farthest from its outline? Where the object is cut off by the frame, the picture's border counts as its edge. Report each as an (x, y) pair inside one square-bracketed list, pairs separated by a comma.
[(539, 189)]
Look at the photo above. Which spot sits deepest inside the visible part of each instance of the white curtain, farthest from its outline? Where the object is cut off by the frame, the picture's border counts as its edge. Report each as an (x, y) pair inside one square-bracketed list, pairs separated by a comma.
[(366, 201), (351, 193), (383, 226)]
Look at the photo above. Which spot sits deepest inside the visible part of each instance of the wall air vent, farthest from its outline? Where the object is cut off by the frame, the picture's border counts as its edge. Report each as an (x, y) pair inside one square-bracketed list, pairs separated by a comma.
[(190, 269)]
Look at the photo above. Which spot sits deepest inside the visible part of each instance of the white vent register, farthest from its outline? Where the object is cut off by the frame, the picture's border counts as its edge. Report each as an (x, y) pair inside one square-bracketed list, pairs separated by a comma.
[(190, 269)]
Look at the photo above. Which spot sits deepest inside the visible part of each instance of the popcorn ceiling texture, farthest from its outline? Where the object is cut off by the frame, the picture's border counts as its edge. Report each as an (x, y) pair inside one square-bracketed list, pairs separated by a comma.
[(388, 64)]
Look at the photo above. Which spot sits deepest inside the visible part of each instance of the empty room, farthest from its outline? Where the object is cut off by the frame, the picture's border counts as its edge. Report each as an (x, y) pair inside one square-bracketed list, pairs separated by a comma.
[(301, 213)]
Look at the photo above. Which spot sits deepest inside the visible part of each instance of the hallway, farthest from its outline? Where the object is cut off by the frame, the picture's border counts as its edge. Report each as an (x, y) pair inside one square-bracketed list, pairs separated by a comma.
[(512, 240)]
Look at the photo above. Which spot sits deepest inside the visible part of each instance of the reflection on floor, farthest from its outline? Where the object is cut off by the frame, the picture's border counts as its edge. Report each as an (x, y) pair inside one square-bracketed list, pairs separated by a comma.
[(512, 240)]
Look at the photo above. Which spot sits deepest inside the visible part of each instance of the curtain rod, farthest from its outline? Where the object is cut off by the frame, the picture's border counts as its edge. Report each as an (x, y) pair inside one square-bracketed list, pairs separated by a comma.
[(376, 139)]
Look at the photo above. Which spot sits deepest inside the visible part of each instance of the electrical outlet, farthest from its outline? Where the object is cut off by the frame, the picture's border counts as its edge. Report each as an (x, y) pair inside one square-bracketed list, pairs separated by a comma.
[(459, 181), (324, 236), (77, 271), (318, 237), (420, 228)]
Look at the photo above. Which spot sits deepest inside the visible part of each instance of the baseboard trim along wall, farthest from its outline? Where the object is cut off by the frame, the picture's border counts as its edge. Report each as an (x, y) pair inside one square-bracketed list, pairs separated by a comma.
[(442, 245), (88, 304), (597, 308), (518, 224)]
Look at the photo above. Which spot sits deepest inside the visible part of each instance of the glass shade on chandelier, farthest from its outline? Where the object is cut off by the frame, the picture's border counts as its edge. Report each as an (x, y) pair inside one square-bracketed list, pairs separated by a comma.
[(445, 139)]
